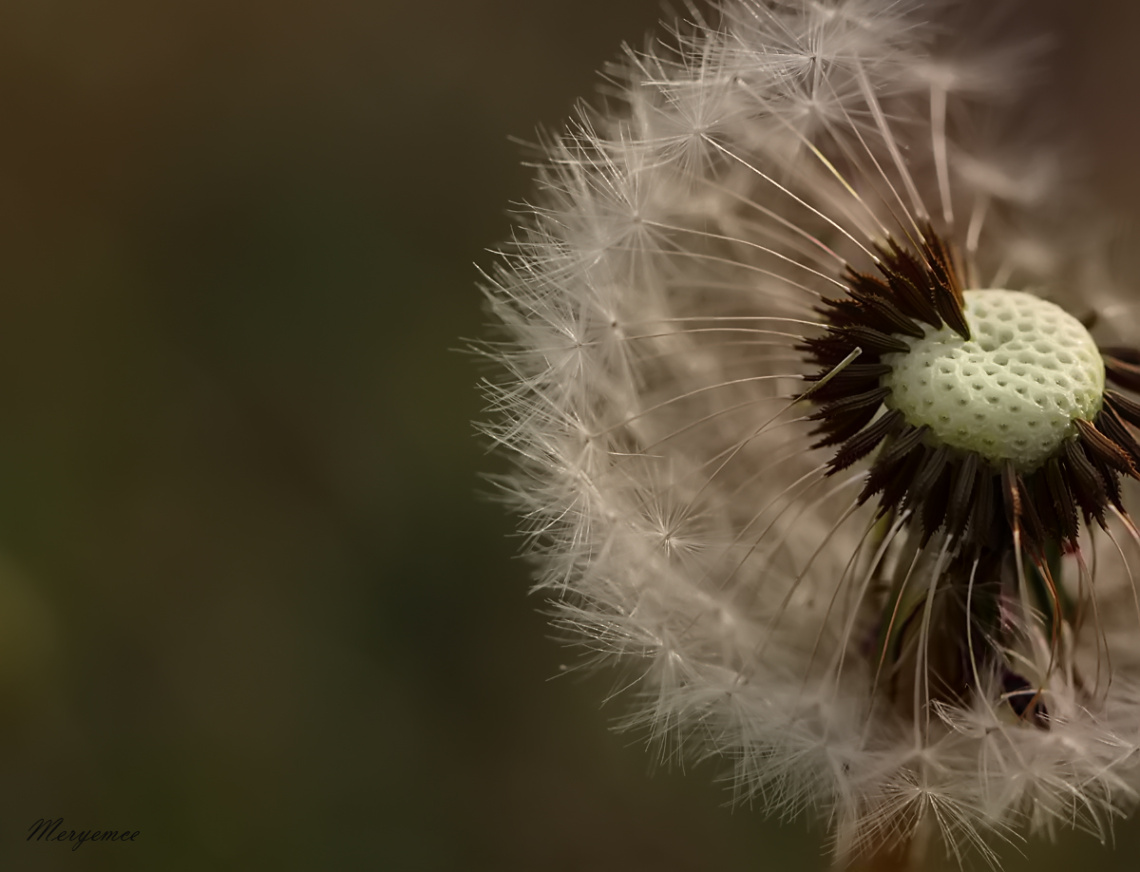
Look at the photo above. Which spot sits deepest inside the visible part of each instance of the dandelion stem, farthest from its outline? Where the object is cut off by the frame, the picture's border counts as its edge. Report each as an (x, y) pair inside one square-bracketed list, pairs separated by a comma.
[(909, 856), (887, 853)]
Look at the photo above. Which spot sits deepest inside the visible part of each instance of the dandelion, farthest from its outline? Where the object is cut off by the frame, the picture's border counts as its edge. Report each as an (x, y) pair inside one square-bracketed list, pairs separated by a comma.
[(824, 414)]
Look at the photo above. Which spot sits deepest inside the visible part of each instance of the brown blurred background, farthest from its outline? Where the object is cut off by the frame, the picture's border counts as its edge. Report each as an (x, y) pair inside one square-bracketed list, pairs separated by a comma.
[(250, 602)]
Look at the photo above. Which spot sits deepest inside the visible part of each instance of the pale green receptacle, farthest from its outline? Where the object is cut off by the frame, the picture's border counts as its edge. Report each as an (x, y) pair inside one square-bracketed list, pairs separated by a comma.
[(1010, 392)]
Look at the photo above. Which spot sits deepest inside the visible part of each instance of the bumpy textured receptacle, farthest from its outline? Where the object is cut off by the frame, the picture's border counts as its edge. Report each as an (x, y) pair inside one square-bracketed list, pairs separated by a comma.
[(1013, 390)]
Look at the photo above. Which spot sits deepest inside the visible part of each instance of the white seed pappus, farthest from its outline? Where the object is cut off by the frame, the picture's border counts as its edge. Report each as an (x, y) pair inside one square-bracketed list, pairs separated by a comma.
[(845, 656)]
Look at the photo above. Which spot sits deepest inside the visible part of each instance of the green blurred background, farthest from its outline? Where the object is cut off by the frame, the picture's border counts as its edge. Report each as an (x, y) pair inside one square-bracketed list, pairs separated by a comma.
[(251, 603)]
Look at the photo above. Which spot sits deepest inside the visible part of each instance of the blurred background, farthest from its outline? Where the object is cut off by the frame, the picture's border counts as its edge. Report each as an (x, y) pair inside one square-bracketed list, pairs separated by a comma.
[(251, 603)]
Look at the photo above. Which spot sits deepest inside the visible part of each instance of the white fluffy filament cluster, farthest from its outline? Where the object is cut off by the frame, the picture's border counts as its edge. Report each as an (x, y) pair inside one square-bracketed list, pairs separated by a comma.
[(653, 301)]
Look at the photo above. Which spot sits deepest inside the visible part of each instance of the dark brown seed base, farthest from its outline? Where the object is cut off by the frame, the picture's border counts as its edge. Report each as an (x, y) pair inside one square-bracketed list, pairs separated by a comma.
[(987, 509), (943, 487)]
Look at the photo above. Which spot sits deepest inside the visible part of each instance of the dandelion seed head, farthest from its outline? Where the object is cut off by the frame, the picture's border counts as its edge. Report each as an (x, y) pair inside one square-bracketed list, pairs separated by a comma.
[(810, 437)]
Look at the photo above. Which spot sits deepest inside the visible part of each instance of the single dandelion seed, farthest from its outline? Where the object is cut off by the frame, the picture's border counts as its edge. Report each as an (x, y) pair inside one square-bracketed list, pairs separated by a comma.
[(820, 432)]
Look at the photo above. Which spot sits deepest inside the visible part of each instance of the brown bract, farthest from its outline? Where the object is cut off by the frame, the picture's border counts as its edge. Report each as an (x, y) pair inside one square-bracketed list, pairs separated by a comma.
[(986, 507)]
